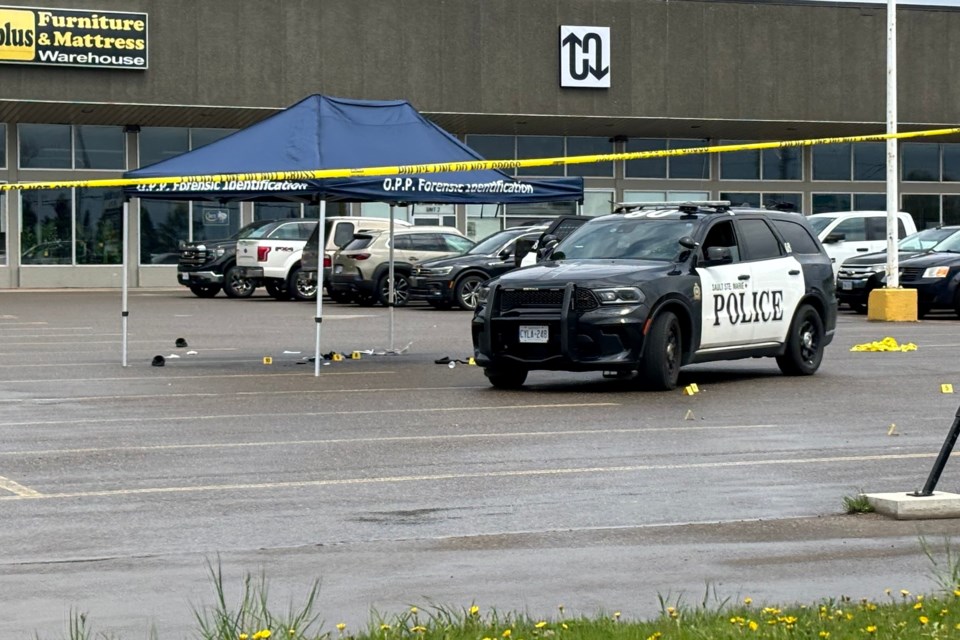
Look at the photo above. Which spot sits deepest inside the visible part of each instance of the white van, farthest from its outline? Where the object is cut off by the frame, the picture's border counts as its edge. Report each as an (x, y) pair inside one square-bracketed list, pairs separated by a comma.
[(846, 234)]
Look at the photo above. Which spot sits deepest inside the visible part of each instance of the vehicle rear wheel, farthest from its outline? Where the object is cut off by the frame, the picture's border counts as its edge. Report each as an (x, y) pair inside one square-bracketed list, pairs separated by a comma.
[(468, 291), (205, 290), (804, 343), (401, 289), (300, 287), (276, 291), (663, 354), (235, 286), (505, 378)]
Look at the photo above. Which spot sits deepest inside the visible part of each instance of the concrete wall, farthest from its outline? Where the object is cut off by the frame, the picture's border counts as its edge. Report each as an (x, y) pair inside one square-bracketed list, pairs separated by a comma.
[(682, 58)]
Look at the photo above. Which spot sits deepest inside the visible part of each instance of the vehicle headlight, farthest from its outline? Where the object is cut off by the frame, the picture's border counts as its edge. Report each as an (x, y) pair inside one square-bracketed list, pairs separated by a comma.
[(879, 268), (221, 251), (437, 271), (936, 272), (619, 295), (482, 294)]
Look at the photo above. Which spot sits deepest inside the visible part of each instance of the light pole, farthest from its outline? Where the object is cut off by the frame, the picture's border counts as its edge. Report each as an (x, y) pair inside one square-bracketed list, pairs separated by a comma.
[(893, 205)]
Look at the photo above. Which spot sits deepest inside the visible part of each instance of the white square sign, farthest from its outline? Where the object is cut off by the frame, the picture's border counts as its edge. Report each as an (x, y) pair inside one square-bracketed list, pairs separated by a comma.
[(585, 57)]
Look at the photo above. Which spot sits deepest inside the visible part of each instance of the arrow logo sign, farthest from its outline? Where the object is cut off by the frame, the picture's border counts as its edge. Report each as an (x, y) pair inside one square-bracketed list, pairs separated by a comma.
[(585, 57)]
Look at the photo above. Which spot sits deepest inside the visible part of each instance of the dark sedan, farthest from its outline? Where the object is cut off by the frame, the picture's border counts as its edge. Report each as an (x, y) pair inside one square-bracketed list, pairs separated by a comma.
[(935, 276), (446, 282)]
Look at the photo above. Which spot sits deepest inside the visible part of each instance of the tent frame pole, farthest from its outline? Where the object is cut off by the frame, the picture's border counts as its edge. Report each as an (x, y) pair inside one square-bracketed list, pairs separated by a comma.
[(318, 320), (391, 297), (124, 312)]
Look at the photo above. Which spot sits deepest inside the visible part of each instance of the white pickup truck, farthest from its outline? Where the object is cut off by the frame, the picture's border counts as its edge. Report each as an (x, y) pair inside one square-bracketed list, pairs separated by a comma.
[(270, 256)]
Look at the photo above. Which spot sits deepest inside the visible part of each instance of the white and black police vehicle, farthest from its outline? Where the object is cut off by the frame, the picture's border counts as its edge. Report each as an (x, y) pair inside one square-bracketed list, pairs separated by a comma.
[(657, 286)]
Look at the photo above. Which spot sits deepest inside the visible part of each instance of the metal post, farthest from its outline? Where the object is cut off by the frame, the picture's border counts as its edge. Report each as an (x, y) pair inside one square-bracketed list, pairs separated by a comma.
[(318, 320), (391, 293), (893, 204), (124, 313), (941, 460)]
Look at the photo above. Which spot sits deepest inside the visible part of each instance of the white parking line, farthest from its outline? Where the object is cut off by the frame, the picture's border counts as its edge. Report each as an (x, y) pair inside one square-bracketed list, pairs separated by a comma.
[(36, 423), (519, 473), (204, 376), (18, 489)]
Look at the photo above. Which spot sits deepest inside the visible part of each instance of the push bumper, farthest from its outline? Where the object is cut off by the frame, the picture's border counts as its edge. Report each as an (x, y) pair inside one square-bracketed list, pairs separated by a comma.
[(191, 278)]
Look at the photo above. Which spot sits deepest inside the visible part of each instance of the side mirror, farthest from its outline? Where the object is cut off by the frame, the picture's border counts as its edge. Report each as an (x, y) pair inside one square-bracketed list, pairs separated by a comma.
[(834, 237), (547, 244), (504, 255), (688, 243), (523, 247), (719, 255)]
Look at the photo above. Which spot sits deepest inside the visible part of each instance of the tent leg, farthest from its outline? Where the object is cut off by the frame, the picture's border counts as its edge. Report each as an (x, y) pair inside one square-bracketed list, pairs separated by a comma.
[(391, 297), (321, 243), (124, 312)]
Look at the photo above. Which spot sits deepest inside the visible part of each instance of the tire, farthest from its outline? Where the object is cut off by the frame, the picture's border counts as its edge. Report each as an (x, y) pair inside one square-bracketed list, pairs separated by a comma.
[(401, 289), (205, 290), (663, 354), (804, 343), (505, 378), (235, 286), (341, 297), (299, 287), (366, 300), (467, 290), (276, 291)]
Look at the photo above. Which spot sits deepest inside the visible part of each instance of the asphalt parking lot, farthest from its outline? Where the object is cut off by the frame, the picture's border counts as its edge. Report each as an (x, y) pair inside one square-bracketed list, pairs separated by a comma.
[(398, 481)]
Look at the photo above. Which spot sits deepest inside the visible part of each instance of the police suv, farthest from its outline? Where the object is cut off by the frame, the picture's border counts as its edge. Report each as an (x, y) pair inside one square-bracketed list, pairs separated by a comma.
[(658, 286)]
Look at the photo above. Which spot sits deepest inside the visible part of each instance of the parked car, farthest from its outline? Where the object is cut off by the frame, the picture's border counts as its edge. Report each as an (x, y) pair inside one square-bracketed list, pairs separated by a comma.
[(653, 289), (529, 252), (936, 277), (207, 266), (360, 270), (845, 234), (270, 256), (338, 232), (860, 275), (446, 282)]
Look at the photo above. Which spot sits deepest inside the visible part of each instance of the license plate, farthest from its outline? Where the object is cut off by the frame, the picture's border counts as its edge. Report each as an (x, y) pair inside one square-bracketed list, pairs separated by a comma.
[(846, 285), (338, 268), (534, 333)]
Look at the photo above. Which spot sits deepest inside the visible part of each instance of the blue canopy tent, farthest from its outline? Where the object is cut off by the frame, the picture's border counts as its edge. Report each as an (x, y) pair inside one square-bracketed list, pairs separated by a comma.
[(322, 132)]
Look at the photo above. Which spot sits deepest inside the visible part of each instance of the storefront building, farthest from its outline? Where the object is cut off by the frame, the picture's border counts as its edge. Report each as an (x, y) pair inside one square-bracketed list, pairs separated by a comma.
[(91, 88)]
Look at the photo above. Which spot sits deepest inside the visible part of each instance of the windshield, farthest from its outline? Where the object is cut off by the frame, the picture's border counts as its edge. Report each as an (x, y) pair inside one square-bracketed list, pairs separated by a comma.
[(951, 244), (248, 230), (926, 239), (626, 239), (819, 223), (492, 243)]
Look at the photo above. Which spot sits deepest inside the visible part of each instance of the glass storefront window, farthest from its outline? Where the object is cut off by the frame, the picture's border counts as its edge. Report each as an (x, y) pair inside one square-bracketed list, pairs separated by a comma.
[(870, 202), (215, 221), (99, 148), (794, 200), (3, 146), (276, 210), (826, 202), (3, 229), (577, 146), (925, 209), (646, 167), (951, 162), (741, 199), (951, 209), (333, 209), (202, 137), (99, 226), (597, 202), (782, 164), (870, 161), (493, 147), (664, 196), (739, 165), (540, 147), (693, 167), (46, 230), (44, 146), (832, 162), (163, 224), (920, 161), (160, 143)]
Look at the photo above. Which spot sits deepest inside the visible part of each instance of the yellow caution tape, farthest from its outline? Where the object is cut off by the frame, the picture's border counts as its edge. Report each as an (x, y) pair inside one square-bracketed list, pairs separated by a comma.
[(887, 344), (473, 165)]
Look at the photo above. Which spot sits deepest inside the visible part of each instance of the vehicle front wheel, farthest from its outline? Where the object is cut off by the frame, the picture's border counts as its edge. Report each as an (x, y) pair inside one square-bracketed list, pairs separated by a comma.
[(506, 378), (300, 287), (663, 353), (468, 291), (401, 289), (235, 286), (804, 344), (276, 291), (205, 290)]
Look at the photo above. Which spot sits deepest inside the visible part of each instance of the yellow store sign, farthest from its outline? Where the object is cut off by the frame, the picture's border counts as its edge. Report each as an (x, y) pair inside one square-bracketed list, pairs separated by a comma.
[(72, 37)]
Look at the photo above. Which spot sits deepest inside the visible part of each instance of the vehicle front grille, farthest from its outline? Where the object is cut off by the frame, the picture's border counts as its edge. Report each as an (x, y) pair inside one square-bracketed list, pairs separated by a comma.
[(857, 272), (583, 299), (909, 274), (193, 258)]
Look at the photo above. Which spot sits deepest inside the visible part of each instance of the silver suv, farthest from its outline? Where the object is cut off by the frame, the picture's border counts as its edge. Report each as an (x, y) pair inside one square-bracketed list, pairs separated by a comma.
[(361, 269)]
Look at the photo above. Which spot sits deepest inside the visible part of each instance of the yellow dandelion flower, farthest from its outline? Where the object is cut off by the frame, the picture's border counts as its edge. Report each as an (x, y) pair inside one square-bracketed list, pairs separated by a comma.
[(918, 605), (474, 610), (871, 607), (919, 597), (872, 628), (656, 636), (341, 626), (904, 593), (616, 615), (384, 627), (944, 612), (541, 624), (292, 631), (753, 626), (564, 625), (413, 609), (924, 620), (956, 592), (849, 616), (748, 601), (418, 629), (244, 636), (506, 633), (824, 634)]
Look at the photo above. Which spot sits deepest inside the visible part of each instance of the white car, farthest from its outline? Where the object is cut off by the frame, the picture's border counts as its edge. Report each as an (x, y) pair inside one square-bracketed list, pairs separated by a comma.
[(270, 256), (845, 234)]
